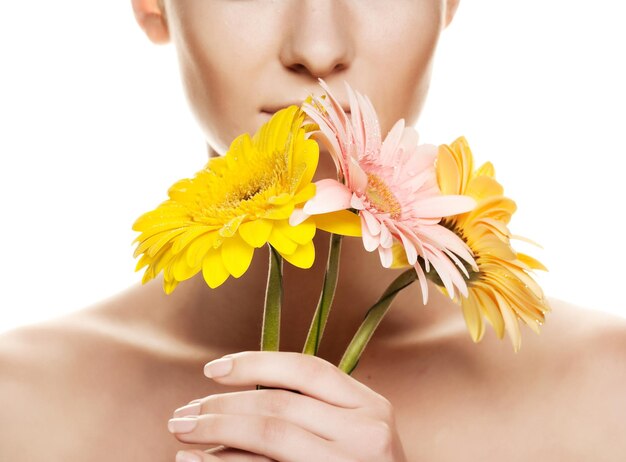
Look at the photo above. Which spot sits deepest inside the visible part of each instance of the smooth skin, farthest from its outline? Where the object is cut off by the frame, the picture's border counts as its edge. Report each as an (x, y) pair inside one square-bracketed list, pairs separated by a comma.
[(105, 382), (334, 417)]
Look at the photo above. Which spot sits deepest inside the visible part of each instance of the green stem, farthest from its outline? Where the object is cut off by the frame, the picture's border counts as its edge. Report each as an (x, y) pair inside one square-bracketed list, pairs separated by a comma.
[(326, 297), (270, 336), (373, 317)]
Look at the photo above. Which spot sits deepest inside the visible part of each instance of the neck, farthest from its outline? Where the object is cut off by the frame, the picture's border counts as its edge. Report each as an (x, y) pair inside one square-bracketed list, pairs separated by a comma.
[(229, 319)]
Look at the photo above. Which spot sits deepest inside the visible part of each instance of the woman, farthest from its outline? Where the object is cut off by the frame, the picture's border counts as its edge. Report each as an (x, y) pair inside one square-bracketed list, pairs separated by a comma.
[(103, 383)]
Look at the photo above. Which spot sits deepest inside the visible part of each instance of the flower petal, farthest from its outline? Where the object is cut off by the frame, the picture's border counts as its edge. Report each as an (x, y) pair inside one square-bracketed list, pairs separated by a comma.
[(443, 206), (281, 242), (256, 232), (303, 256), (300, 234), (341, 222), (330, 196), (237, 255), (213, 269)]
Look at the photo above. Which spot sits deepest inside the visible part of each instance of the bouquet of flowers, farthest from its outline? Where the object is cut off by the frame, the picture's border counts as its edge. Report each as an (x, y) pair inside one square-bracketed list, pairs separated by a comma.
[(423, 207)]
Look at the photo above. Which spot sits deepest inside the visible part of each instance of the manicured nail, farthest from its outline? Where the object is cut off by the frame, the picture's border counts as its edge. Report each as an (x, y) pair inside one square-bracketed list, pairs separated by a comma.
[(188, 410), (182, 425), (184, 456), (218, 368)]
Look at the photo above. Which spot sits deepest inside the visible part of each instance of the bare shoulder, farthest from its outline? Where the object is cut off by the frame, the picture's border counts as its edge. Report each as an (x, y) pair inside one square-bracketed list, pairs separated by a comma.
[(50, 373), (579, 363), (64, 380)]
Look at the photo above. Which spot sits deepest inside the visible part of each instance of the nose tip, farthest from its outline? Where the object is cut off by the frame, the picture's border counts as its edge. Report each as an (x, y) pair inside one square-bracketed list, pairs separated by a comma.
[(319, 42), (317, 68)]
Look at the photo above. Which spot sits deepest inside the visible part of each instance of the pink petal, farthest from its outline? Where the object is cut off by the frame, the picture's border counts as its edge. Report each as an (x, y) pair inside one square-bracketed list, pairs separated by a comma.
[(409, 248), (370, 242), (458, 262), (386, 240), (423, 282), (373, 225), (440, 237), (358, 177), (357, 120), (444, 275), (386, 256), (356, 202), (330, 196), (371, 127), (443, 265), (392, 140), (297, 216), (445, 205), (327, 136)]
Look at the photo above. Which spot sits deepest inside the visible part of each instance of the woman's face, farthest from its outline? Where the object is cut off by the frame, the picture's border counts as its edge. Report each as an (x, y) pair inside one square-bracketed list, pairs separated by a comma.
[(241, 60)]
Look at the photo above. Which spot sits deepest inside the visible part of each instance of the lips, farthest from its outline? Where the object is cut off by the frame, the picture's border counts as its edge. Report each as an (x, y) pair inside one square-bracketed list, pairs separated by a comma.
[(275, 108)]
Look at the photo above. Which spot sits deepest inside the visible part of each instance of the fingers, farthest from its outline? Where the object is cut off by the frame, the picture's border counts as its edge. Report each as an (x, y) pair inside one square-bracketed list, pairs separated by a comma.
[(267, 436), (308, 374), (315, 416), (220, 454)]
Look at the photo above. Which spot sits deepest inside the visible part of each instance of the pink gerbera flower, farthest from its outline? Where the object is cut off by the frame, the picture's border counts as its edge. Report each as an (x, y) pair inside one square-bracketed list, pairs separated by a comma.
[(392, 184)]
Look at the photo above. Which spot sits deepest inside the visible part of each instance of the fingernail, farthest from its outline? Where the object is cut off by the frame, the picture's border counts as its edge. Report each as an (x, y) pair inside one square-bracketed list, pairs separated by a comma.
[(218, 368), (189, 409), (184, 456), (182, 425)]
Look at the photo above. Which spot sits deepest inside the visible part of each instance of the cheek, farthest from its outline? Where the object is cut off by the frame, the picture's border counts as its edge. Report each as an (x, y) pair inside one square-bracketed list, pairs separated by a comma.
[(217, 59), (402, 54)]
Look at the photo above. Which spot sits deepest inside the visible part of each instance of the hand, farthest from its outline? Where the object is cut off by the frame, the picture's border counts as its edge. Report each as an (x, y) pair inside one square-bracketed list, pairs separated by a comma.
[(333, 418)]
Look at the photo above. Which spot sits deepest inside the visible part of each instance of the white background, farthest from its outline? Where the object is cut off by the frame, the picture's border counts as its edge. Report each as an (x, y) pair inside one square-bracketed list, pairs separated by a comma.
[(94, 128)]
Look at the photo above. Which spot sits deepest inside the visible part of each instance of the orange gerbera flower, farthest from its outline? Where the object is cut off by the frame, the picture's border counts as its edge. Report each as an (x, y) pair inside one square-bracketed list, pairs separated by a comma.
[(502, 290)]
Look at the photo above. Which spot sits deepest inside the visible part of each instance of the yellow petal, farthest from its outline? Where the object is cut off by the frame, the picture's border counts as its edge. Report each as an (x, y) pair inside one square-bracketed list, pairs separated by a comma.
[(300, 234), (491, 311), (280, 212), (484, 186), (275, 132), (281, 199), (447, 172), (399, 259), (256, 232), (168, 213), (181, 270), (169, 285), (304, 194), (486, 169), (230, 228), (464, 158), (341, 222), (236, 255), (306, 153), (154, 243), (281, 242), (510, 321), (530, 261), (191, 234), (213, 269), (303, 256), (200, 246), (473, 318)]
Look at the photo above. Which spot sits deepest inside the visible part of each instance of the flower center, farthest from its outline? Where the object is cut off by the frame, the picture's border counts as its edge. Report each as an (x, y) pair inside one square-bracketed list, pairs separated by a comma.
[(381, 197)]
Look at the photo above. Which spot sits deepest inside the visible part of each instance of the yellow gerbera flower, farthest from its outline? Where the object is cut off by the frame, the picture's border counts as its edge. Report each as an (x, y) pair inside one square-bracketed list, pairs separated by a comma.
[(214, 221), (502, 290)]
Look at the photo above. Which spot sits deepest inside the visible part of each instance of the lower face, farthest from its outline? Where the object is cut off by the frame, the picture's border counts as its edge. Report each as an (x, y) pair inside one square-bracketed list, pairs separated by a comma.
[(242, 59)]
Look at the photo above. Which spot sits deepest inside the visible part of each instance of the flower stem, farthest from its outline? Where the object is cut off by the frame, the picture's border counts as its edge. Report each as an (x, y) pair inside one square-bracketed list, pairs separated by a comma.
[(270, 336), (326, 297), (373, 317)]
